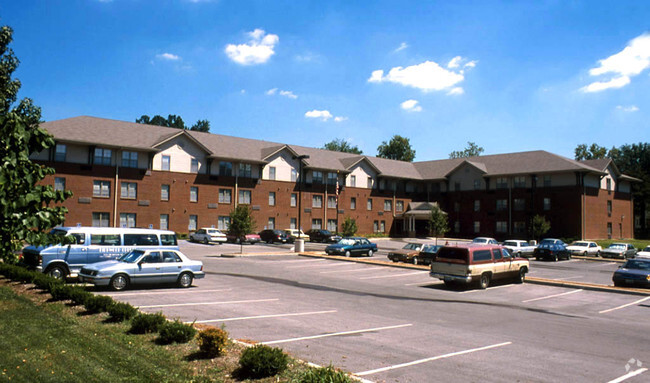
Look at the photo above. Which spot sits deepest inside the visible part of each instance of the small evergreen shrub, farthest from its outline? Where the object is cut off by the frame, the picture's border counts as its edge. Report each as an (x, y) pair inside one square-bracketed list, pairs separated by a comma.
[(324, 375), (176, 332), (261, 361), (98, 303), (78, 295), (60, 292), (45, 282), (147, 323), (212, 341), (120, 311)]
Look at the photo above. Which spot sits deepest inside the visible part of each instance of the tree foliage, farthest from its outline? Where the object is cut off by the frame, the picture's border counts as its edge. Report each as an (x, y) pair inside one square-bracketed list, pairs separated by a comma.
[(472, 150), (438, 222), (241, 221), (28, 210), (539, 226), (349, 227), (593, 152), (173, 121), (398, 148), (341, 145)]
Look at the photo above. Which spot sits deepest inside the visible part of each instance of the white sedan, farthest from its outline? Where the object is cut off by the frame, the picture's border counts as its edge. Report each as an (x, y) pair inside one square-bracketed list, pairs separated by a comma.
[(645, 253), (585, 248), (208, 235)]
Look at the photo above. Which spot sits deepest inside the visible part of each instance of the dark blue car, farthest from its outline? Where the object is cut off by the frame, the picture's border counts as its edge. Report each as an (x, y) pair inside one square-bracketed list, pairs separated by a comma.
[(551, 249), (349, 246), (633, 272)]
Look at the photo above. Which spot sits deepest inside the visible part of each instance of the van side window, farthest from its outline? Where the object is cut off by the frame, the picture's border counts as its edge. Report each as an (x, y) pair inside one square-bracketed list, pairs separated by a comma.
[(170, 256), (79, 238), (168, 239), (482, 255), (105, 239), (140, 240)]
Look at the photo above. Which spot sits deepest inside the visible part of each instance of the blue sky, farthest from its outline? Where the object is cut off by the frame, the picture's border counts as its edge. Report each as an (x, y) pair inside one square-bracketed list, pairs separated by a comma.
[(507, 75)]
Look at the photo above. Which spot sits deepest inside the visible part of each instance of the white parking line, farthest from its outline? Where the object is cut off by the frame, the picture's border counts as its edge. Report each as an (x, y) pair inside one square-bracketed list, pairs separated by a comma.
[(166, 292), (552, 296), (320, 265), (369, 372), (337, 334), (395, 275), (209, 303), (264, 316), (606, 264), (489, 288), (624, 306), (300, 260), (353, 270), (629, 375)]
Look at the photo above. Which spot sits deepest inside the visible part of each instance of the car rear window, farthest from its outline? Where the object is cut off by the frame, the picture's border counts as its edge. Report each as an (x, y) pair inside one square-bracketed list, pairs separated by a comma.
[(454, 253), (140, 240), (481, 255)]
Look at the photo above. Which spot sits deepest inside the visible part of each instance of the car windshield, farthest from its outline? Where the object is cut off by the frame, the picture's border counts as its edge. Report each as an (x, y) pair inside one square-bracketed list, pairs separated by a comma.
[(325, 232), (617, 246), (412, 246), (647, 249), (637, 265), (547, 242), (431, 248), (131, 256), (581, 244), (347, 241), (213, 231), (480, 240)]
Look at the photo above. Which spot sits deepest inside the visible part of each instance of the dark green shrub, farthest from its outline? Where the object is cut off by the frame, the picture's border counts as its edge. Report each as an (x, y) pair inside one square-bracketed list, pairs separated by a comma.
[(147, 323), (120, 311), (176, 332), (60, 292), (212, 341), (324, 375), (98, 303), (261, 361), (78, 295), (45, 282)]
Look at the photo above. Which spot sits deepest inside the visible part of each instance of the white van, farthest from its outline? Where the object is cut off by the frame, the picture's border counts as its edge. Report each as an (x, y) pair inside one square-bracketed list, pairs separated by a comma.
[(92, 244)]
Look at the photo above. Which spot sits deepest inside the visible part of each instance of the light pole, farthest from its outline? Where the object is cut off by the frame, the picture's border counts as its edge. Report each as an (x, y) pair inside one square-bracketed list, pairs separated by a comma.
[(300, 158)]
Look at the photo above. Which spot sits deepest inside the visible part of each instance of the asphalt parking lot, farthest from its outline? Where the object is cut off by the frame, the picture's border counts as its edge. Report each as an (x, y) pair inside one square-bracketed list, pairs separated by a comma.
[(388, 324)]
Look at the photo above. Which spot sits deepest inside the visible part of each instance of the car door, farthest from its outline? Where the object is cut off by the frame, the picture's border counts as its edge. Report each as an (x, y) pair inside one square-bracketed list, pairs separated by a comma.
[(171, 266), (510, 267), (500, 267), (149, 268)]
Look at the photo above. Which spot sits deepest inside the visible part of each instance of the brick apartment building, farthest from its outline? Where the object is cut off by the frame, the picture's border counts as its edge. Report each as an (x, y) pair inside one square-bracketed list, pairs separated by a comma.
[(128, 174)]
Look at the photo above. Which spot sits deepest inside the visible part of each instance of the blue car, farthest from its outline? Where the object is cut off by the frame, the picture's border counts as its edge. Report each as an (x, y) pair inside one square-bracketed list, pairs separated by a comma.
[(633, 272), (350, 246), (552, 249)]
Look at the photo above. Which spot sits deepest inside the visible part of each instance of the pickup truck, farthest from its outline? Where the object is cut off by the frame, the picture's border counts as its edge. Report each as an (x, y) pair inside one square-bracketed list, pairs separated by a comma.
[(519, 248), (477, 263)]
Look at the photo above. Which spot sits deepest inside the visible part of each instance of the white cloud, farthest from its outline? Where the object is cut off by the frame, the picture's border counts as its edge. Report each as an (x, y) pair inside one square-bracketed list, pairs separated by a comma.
[(455, 62), (168, 57), (456, 91), (271, 92), (629, 109), (258, 50), (340, 119), (620, 67), (427, 76), (411, 106), (288, 93), (401, 47), (321, 114)]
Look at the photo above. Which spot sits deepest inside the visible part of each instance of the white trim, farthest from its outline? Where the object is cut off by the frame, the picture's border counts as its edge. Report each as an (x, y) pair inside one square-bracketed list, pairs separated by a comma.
[(337, 334)]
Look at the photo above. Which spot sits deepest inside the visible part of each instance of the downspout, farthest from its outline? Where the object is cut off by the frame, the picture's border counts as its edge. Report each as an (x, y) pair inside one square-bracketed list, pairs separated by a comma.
[(117, 178), (236, 196)]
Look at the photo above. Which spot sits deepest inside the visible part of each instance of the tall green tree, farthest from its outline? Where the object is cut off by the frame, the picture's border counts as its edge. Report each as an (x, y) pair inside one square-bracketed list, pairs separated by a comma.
[(349, 227), (593, 152), (201, 126), (398, 148), (438, 222), (472, 150), (27, 209), (173, 121), (539, 226), (241, 222), (341, 145)]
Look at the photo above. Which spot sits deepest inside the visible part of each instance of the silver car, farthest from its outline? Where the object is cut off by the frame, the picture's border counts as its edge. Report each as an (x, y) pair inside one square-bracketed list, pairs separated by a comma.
[(208, 235), (143, 266)]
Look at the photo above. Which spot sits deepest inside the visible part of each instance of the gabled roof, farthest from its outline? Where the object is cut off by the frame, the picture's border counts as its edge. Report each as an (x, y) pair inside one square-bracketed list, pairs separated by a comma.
[(603, 163)]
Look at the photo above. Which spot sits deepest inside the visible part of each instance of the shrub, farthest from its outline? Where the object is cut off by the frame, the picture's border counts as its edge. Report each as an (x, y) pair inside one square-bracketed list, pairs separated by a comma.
[(78, 295), (324, 375), (120, 311), (176, 332), (98, 303), (212, 341), (45, 282), (147, 323), (60, 292), (349, 227), (261, 361)]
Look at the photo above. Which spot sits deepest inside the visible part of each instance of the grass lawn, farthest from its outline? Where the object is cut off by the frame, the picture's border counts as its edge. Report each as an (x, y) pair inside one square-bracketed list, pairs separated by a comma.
[(638, 243), (42, 341)]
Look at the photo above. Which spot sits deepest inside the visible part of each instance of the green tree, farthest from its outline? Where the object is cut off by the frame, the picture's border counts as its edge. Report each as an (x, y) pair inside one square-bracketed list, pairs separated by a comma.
[(349, 227), (173, 121), (539, 226), (438, 223), (28, 210), (472, 150), (594, 151), (241, 222), (341, 145), (398, 148), (201, 126)]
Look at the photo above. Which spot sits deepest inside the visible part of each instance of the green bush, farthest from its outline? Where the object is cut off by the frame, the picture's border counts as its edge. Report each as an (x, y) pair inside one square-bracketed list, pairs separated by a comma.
[(349, 227), (324, 375), (176, 332), (212, 341), (147, 323), (45, 282), (78, 295), (98, 303), (120, 311), (60, 292), (261, 361)]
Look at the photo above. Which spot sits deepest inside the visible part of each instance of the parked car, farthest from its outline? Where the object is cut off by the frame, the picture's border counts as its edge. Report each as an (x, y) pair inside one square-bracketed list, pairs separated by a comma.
[(485, 241), (619, 250), (467, 264), (320, 235), (406, 253), (427, 255), (645, 253), (633, 272), (349, 246), (585, 248), (248, 238), (143, 266), (519, 247), (553, 249), (274, 235), (296, 234), (208, 235)]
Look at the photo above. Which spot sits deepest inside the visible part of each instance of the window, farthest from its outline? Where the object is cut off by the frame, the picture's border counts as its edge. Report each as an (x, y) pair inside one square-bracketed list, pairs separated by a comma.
[(194, 194), (271, 198), (130, 159), (168, 240), (331, 178), (502, 183), (353, 203), (164, 192), (609, 208), (477, 184), (294, 175), (164, 222), (271, 223), (502, 226), (194, 165), (457, 227), (317, 223), (399, 205), (369, 204), (502, 204), (245, 197), (165, 166), (382, 226), (294, 200), (193, 223), (59, 183), (609, 230), (369, 182), (547, 181), (353, 181), (477, 205), (293, 224), (225, 168), (105, 239), (456, 207), (388, 205), (482, 255), (519, 227), (477, 227), (331, 202), (519, 204), (60, 152), (609, 185), (223, 223), (317, 201), (375, 226), (102, 156), (547, 203), (100, 219), (102, 189), (127, 220), (245, 170), (456, 186), (520, 181), (331, 225), (129, 190), (225, 195), (317, 177), (272, 172)]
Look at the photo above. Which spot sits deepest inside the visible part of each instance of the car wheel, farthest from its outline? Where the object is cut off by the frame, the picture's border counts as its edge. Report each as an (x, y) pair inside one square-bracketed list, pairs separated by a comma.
[(185, 280), (205, 241), (237, 240), (537, 259), (270, 241), (555, 258), (568, 256), (484, 282), (119, 282), (57, 272), (598, 253), (347, 253), (585, 254), (370, 253), (416, 261), (450, 283), (522, 275)]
